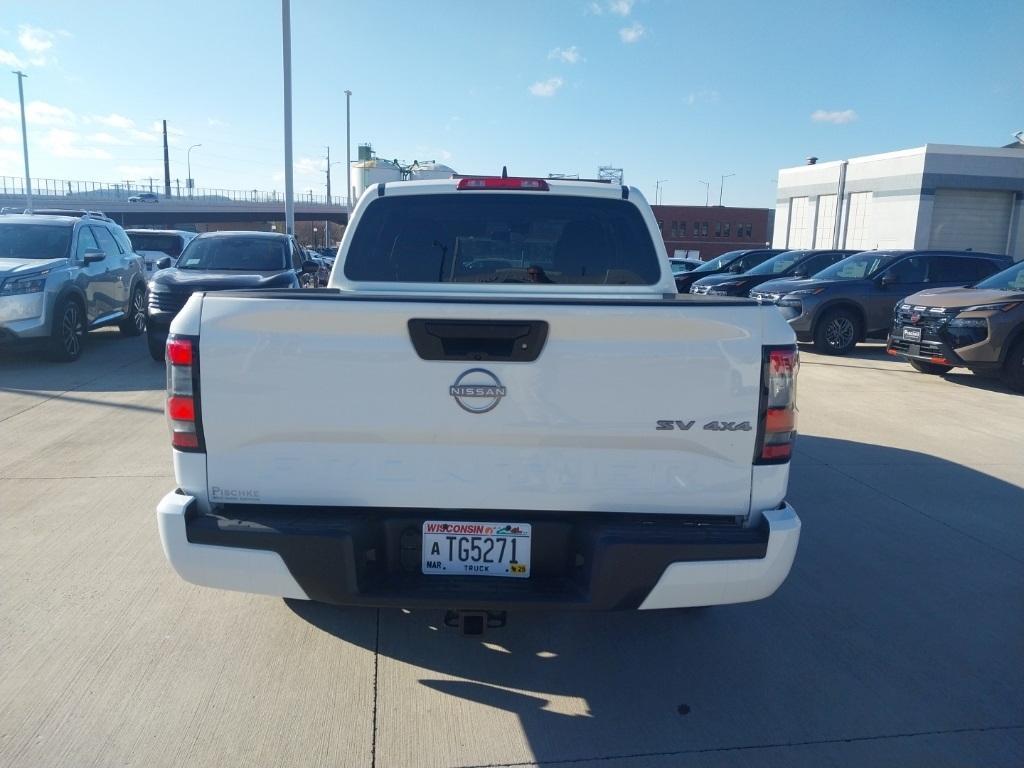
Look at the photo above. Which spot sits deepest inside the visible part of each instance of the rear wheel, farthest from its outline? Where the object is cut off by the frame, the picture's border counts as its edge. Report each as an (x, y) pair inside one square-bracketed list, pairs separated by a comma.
[(933, 368), (1013, 368), (837, 332), (156, 346), (67, 333), (135, 322)]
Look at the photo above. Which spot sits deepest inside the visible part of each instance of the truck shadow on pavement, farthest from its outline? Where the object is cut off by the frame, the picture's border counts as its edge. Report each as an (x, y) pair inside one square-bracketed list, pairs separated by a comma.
[(109, 363), (877, 637)]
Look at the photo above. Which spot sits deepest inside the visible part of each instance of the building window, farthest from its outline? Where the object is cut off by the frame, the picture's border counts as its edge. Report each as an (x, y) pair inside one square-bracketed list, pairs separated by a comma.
[(704, 229), (682, 229), (725, 229), (661, 226), (718, 229), (749, 229), (675, 229)]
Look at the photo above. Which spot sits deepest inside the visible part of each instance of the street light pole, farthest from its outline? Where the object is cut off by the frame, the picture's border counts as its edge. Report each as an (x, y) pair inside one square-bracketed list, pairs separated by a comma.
[(24, 142), (348, 148), (286, 41), (657, 190), (707, 191), (190, 182), (722, 187)]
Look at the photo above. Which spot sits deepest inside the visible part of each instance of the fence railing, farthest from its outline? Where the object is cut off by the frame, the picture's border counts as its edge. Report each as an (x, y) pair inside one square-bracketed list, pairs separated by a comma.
[(69, 190)]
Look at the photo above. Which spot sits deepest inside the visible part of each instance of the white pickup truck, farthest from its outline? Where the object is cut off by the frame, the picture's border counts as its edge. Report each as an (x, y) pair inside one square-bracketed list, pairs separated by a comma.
[(522, 412)]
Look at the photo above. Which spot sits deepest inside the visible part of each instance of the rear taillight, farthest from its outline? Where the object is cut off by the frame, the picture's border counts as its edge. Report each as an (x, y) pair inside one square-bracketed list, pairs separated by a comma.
[(183, 393), (777, 428), (507, 182)]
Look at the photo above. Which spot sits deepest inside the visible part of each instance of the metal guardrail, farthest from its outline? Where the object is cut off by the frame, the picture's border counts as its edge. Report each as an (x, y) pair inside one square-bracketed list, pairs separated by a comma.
[(69, 191)]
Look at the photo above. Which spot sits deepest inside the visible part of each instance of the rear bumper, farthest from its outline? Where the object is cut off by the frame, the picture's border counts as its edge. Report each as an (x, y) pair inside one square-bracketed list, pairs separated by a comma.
[(371, 557)]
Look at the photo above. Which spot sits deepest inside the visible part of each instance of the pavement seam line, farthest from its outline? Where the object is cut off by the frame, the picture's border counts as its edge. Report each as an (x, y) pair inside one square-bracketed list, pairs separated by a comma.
[(749, 747), (924, 514), (376, 667)]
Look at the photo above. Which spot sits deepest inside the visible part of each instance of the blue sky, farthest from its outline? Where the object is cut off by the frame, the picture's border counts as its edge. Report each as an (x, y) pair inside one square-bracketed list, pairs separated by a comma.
[(666, 90)]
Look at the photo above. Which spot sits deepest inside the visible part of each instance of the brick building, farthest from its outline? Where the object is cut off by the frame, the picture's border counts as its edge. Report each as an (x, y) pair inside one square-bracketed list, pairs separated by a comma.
[(707, 231)]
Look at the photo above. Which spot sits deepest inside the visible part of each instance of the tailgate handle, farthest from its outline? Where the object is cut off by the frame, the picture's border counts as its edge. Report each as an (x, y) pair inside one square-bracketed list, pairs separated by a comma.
[(511, 341)]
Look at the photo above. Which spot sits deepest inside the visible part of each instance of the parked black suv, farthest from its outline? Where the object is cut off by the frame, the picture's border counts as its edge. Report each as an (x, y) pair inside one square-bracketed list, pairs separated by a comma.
[(853, 300), (734, 262), (221, 261), (795, 264)]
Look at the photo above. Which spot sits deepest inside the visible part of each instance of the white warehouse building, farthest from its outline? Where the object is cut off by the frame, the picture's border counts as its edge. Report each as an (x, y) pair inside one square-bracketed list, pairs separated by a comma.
[(933, 197)]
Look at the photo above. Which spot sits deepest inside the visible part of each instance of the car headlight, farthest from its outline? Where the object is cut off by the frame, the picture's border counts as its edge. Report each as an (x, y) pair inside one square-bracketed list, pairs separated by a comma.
[(999, 306), (19, 286), (806, 292)]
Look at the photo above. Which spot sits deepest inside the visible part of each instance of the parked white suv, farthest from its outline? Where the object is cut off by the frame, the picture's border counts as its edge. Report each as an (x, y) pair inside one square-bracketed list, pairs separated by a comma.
[(524, 413)]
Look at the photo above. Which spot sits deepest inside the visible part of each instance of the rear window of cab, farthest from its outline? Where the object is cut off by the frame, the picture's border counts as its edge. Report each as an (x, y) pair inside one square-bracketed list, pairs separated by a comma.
[(522, 237)]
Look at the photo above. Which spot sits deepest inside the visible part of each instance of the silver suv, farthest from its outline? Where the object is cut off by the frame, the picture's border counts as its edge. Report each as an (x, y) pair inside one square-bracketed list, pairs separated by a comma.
[(63, 273)]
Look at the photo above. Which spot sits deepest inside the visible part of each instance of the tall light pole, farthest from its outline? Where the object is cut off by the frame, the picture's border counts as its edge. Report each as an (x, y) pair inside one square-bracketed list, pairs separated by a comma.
[(657, 190), (348, 148), (722, 187), (190, 182), (707, 190), (24, 142), (286, 45)]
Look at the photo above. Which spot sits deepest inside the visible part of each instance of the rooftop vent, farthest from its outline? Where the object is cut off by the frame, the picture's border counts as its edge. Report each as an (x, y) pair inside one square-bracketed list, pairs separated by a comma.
[(812, 160)]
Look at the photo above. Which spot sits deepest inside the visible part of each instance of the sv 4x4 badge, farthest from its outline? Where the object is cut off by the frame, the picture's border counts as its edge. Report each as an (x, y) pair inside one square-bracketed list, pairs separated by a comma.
[(711, 426)]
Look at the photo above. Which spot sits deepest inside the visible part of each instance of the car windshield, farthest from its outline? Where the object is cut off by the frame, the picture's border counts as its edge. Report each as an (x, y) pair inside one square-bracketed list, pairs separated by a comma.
[(776, 265), (169, 244), (519, 237), (251, 254), (858, 266), (719, 262), (34, 241), (1011, 279), (678, 267)]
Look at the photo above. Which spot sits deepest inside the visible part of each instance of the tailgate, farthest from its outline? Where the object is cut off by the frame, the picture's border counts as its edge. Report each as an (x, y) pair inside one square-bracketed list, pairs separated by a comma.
[(325, 401)]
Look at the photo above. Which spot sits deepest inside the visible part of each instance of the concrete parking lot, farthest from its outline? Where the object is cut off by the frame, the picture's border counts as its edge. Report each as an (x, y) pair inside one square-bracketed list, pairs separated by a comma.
[(897, 640)]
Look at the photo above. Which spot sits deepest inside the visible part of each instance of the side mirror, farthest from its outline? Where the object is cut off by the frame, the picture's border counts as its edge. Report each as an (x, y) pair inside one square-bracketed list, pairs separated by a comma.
[(164, 263), (92, 255), (310, 267), (887, 279)]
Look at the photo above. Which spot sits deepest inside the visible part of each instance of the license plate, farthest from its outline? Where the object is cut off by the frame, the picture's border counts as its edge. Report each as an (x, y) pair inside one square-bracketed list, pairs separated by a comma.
[(460, 548), (911, 334)]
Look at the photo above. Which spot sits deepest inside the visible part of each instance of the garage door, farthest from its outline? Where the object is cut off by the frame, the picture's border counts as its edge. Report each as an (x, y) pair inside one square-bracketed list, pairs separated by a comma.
[(858, 221), (799, 224), (971, 218)]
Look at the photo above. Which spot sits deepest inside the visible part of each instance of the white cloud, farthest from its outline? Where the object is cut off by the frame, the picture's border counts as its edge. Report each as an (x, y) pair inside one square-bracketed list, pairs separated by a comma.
[(36, 113), (113, 120), (63, 143), (216, 122), (704, 95), (594, 8), (632, 33), (308, 167), (547, 87), (9, 135), (570, 55), (621, 7), (9, 59), (837, 117), (158, 127), (138, 172), (35, 39), (105, 138)]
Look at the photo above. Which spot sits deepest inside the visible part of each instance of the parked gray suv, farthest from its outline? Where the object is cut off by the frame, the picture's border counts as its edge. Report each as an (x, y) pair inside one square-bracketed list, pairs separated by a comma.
[(853, 300), (63, 273)]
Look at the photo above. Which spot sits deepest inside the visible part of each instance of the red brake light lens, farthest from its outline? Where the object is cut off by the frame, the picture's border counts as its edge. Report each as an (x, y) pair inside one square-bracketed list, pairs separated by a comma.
[(778, 406), (510, 182), (183, 411), (179, 351)]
